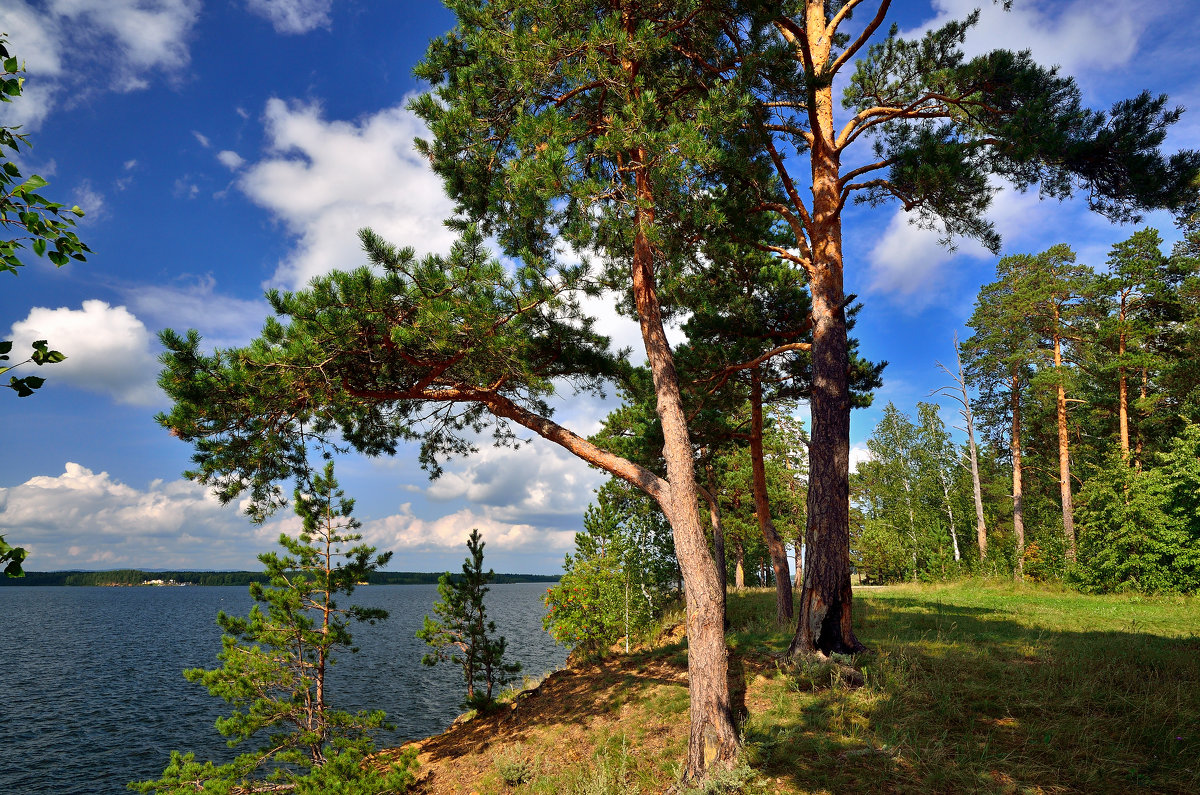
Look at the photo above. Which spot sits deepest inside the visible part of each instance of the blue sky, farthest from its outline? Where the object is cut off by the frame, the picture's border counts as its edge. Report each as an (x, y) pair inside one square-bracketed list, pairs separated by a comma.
[(226, 146)]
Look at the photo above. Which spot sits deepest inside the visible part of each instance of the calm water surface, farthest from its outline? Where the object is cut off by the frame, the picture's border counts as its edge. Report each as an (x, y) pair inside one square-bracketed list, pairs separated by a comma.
[(93, 695)]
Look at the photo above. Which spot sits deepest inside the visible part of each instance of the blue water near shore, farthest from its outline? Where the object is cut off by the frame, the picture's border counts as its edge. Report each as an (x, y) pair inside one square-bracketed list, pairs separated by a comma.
[(93, 695)]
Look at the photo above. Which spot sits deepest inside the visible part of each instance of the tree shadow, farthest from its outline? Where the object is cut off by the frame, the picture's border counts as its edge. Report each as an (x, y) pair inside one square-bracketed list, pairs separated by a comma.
[(965, 698)]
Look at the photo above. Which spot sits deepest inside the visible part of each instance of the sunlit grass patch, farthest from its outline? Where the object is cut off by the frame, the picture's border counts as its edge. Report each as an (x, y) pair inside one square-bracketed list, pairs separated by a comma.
[(989, 688)]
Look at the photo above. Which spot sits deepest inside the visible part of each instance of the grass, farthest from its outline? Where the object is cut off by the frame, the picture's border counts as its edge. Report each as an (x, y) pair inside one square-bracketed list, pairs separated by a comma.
[(973, 687)]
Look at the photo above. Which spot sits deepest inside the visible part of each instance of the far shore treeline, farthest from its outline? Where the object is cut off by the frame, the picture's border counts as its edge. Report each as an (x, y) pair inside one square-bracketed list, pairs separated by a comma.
[(127, 577)]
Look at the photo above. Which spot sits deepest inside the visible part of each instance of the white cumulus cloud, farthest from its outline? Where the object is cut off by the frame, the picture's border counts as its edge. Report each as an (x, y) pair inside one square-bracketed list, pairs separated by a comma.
[(858, 454), (292, 16), (224, 321), (108, 349), (75, 47), (230, 159), (405, 532), (537, 482), (326, 179), (83, 519), (1076, 36)]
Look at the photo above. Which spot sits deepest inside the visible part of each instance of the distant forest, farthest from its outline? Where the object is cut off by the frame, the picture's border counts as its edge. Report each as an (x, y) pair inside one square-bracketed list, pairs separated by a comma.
[(137, 577)]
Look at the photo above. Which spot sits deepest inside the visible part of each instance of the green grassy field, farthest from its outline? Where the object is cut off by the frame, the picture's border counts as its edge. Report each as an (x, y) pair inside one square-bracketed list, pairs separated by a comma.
[(973, 687), (989, 688)]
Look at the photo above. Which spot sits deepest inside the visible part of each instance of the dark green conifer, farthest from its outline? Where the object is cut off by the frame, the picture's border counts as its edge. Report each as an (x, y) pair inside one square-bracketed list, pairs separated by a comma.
[(462, 634)]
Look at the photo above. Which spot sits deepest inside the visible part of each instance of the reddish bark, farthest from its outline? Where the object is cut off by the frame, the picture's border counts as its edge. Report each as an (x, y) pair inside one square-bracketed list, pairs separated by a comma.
[(1018, 499), (762, 506), (1064, 452), (711, 712)]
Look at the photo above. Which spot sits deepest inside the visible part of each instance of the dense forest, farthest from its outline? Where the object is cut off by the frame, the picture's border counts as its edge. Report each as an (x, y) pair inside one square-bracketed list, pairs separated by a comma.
[(1082, 387)]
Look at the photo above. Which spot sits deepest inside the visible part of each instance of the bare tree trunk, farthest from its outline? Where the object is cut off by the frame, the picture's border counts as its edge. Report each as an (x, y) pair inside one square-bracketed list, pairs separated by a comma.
[(798, 560), (950, 513), (912, 526), (960, 394), (762, 507), (1137, 453), (1064, 456), (1018, 499)]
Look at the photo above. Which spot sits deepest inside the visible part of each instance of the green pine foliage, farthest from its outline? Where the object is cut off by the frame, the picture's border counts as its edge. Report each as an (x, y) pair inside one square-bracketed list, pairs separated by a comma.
[(461, 634), (1128, 338), (275, 663)]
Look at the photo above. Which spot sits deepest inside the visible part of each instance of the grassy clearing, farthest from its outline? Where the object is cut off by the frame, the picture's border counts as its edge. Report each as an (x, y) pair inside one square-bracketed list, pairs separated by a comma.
[(1003, 689), (968, 688)]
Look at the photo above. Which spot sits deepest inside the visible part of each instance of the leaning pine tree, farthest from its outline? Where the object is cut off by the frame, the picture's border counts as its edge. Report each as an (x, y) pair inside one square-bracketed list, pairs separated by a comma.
[(275, 666), (462, 635), (583, 125)]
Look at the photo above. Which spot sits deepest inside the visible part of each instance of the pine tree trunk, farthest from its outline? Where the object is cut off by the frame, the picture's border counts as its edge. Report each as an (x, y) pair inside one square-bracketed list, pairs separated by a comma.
[(712, 734), (798, 561), (1122, 386), (823, 622), (912, 527), (762, 507), (1064, 455), (1018, 498)]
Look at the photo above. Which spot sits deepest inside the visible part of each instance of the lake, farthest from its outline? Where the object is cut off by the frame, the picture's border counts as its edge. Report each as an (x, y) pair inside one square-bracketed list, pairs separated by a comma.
[(94, 696)]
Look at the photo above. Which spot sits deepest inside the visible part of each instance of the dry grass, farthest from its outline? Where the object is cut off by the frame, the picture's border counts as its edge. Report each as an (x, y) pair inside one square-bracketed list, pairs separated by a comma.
[(970, 688)]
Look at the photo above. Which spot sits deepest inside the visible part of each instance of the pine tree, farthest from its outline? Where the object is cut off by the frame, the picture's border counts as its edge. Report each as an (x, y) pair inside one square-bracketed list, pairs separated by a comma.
[(275, 666), (461, 633), (940, 126)]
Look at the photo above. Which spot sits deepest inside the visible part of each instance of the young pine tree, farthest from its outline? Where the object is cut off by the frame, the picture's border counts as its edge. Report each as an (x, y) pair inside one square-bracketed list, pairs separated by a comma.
[(462, 633), (275, 663)]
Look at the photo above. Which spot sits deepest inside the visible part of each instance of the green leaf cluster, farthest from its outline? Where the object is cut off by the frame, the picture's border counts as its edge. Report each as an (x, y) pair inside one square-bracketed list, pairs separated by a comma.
[(46, 226), (621, 576), (913, 495)]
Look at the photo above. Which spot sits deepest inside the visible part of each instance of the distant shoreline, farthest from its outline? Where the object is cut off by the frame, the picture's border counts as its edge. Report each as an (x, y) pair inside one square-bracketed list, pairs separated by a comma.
[(151, 579)]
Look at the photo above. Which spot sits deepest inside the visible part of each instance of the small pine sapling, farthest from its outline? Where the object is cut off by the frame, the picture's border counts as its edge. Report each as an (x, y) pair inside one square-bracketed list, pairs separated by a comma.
[(275, 663), (462, 635)]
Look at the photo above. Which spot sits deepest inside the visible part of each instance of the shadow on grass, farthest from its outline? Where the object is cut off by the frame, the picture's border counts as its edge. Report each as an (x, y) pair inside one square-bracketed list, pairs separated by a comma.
[(572, 697), (967, 698)]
